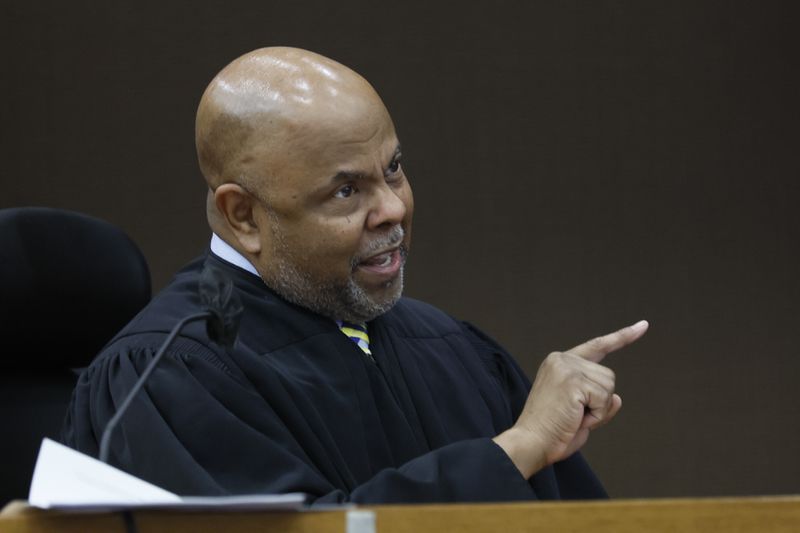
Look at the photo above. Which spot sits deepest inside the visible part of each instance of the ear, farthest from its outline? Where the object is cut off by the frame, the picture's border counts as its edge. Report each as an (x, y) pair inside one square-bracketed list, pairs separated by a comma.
[(238, 208)]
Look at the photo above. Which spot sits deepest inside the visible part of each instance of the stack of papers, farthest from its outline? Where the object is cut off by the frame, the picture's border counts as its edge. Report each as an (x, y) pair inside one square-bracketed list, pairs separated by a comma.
[(68, 480)]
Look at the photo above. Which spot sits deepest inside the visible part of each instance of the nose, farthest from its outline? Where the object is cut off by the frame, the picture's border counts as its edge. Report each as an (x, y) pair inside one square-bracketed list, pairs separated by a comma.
[(388, 210)]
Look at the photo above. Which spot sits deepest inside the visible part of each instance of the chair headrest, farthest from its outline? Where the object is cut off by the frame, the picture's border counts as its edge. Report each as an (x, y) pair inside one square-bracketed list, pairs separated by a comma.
[(68, 283)]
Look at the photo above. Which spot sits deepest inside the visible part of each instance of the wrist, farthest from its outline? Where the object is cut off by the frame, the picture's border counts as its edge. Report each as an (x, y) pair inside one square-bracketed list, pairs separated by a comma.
[(525, 450)]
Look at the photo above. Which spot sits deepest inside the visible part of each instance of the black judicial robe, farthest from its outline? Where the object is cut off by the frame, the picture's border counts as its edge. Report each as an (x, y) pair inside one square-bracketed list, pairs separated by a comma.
[(296, 406)]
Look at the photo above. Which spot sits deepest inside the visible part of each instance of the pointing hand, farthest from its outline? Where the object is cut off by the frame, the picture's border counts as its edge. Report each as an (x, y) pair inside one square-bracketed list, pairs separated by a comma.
[(571, 395)]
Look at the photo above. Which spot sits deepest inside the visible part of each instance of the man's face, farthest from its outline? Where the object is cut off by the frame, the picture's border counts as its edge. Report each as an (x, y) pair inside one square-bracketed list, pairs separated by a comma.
[(338, 209)]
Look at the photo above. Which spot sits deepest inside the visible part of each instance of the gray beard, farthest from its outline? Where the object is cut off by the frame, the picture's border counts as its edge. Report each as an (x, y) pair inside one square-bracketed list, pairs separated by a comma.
[(344, 300)]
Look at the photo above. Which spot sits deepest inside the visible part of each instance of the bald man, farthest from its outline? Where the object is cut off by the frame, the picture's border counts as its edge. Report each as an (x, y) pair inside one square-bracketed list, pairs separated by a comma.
[(337, 386)]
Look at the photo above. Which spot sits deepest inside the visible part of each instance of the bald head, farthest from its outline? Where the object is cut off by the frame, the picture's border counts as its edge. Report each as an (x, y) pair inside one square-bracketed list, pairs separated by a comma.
[(305, 182), (270, 103)]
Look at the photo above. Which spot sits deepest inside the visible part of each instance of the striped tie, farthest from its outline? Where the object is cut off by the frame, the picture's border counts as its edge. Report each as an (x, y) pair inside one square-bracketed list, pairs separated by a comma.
[(357, 334)]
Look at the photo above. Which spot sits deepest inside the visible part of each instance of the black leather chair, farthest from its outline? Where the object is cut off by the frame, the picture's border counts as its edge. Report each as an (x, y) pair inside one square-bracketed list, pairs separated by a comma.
[(68, 283)]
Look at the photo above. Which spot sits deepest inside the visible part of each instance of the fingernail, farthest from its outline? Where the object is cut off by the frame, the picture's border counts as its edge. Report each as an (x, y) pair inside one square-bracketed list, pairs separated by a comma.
[(639, 326)]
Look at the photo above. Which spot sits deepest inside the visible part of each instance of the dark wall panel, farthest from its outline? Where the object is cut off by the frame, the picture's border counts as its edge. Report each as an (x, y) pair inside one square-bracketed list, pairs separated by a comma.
[(576, 165)]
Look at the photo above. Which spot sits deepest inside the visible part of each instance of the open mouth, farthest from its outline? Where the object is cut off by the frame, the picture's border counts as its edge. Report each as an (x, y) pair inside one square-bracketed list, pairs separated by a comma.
[(387, 263), (380, 260)]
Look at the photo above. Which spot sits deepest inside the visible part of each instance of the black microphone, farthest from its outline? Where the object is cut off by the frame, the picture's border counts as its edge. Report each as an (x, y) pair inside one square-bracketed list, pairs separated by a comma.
[(221, 311)]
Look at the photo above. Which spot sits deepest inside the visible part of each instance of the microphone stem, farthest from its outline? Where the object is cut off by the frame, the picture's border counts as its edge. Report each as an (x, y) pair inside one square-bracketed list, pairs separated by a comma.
[(105, 441)]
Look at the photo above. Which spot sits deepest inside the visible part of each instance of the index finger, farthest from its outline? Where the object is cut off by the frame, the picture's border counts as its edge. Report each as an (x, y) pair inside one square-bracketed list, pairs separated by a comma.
[(596, 349)]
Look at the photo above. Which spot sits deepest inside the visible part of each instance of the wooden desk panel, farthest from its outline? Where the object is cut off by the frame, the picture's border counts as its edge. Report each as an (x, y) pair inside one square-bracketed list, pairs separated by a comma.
[(729, 515)]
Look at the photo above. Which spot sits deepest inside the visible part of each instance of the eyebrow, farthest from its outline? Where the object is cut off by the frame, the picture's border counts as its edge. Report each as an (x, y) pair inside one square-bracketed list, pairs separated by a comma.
[(346, 175)]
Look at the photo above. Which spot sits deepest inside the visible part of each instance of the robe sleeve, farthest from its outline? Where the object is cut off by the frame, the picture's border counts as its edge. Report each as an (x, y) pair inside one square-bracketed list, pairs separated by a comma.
[(197, 428)]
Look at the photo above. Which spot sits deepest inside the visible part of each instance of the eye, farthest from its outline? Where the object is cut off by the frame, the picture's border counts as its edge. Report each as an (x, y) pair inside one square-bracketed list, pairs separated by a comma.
[(394, 166), (346, 192)]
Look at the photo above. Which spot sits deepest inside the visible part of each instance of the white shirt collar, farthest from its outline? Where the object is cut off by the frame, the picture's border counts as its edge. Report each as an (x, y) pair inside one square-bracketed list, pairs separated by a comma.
[(226, 252)]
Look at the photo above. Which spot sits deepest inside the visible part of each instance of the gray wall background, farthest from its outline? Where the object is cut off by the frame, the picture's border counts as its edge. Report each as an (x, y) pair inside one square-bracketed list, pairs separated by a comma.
[(576, 165)]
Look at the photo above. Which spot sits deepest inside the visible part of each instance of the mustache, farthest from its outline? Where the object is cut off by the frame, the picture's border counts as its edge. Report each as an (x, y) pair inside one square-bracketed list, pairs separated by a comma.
[(391, 239)]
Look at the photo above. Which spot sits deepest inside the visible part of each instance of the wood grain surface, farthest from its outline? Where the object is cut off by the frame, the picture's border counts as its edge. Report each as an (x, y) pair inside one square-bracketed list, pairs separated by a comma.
[(730, 515)]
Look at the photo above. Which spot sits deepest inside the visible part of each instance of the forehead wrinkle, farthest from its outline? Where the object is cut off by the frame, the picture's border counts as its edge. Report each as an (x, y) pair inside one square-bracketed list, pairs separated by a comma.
[(356, 175)]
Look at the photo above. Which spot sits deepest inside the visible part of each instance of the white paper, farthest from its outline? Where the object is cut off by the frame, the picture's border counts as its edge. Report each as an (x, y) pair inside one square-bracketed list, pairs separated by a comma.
[(69, 480)]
